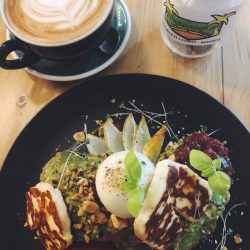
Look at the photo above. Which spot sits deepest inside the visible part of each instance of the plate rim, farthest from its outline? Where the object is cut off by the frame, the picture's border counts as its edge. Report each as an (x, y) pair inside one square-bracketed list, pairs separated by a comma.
[(94, 71), (93, 84)]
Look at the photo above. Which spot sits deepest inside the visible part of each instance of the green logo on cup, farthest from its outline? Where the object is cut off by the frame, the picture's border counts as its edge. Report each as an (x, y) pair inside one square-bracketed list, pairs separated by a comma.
[(192, 30)]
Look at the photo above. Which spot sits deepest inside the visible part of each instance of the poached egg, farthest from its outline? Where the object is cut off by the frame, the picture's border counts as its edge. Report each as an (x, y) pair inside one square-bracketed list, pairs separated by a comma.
[(110, 176)]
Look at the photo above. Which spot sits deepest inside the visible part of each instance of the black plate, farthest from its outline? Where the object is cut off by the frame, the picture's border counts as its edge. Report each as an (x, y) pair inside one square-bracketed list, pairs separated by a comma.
[(54, 125)]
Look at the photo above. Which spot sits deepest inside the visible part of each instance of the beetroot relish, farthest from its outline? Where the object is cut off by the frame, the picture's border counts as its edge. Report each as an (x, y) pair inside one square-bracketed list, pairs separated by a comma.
[(211, 146)]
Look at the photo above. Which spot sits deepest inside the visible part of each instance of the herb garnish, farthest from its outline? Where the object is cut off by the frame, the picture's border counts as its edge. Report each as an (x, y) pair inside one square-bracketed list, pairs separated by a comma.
[(218, 181), (133, 173), (203, 128)]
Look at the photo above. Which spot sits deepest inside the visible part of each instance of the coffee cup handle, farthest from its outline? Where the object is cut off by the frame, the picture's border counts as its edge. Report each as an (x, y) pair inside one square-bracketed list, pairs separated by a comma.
[(26, 60)]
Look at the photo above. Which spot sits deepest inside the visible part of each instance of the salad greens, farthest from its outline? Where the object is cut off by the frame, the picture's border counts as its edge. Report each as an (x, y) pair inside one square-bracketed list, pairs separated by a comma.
[(135, 200), (218, 181), (133, 173), (132, 165)]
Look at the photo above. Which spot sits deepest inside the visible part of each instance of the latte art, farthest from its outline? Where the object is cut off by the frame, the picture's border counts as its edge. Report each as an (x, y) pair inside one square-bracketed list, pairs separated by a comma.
[(56, 21), (61, 14)]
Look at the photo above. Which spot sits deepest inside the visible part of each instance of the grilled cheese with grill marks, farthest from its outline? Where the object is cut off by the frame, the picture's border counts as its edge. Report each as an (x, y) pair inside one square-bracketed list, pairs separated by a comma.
[(157, 224), (188, 192), (175, 191), (47, 213)]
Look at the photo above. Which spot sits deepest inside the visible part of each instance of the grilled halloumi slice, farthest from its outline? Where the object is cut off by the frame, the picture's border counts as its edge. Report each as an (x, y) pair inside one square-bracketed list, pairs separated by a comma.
[(157, 224), (47, 213), (188, 192), (174, 187)]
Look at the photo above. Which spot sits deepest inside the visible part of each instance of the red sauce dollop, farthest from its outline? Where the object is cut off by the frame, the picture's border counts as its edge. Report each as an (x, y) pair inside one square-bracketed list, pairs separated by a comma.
[(211, 146)]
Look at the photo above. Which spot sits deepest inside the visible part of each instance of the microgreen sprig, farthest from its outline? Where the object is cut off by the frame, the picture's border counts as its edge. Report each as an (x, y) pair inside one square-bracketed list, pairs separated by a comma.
[(203, 128), (218, 181), (133, 173)]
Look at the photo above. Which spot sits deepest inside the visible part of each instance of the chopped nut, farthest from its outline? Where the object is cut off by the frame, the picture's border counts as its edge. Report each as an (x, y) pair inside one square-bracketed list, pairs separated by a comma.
[(80, 212), (114, 221), (118, 223), (68, 172), (86, 238), (80, 191), (113, 101), (77, 226), (74, 197), (90, 196), (83, 182), (98, 122), (90, 207), (99, 218), (79, 137), (73, 166), (237, 239), (224, 248)]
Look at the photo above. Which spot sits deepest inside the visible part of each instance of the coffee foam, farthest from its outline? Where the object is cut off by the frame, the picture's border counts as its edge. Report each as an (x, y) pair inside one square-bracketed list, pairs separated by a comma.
[(61, 14), (55, 21)]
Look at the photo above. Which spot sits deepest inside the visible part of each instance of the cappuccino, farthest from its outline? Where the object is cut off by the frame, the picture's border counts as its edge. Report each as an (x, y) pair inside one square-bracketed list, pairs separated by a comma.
[(56, 21)]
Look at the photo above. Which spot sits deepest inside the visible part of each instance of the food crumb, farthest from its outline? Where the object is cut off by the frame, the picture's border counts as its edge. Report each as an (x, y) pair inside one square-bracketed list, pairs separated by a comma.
[(237, 239), (113, 101), (79, 137), (77, 226), (86, 238), (98, 122), (118, 223), (224, 248)]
